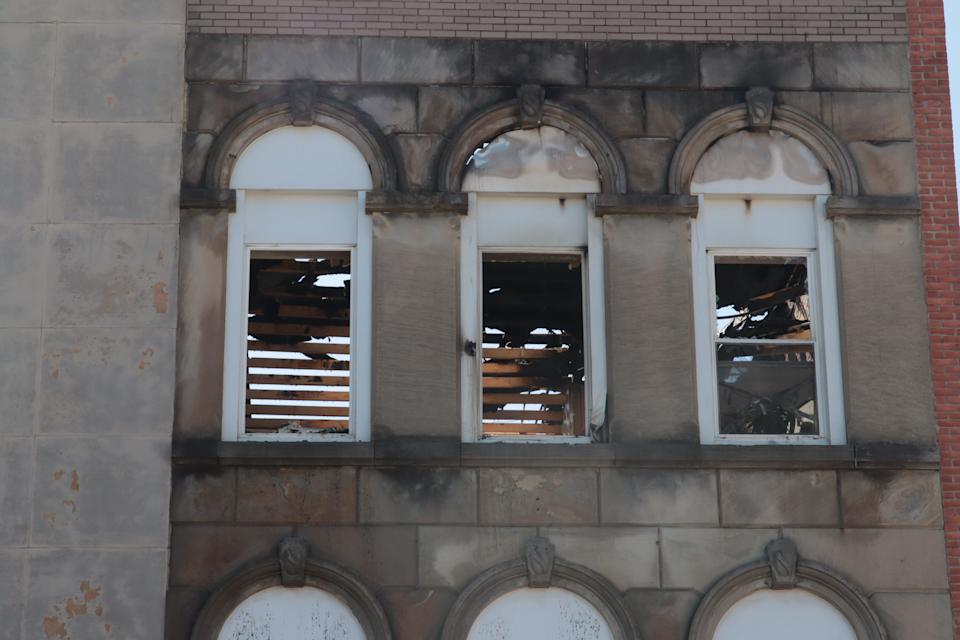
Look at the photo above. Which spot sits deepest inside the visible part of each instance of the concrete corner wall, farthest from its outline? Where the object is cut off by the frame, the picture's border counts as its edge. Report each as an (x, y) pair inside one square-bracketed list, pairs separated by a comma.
[(90, 131)]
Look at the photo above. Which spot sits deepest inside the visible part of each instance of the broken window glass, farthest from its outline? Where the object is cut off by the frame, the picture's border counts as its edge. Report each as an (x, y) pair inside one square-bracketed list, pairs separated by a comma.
[(766, 373), (298, 344), (533, 350)]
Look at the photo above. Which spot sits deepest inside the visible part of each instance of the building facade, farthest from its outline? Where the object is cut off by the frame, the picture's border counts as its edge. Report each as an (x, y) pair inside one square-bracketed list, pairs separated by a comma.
[(455, 320)]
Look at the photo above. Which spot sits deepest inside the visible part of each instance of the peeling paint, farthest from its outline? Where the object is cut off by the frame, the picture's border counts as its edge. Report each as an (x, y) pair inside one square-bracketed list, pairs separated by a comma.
[(145, 357), (74, 481), (160, 297), (71, 505), (53, 627), (72, 609)]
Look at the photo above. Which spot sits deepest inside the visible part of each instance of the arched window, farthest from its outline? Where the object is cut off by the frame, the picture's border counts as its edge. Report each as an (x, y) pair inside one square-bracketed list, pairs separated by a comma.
[(540, 614), (792, 614), (532, 294), (297, 339), (279, 613), (767, 331)]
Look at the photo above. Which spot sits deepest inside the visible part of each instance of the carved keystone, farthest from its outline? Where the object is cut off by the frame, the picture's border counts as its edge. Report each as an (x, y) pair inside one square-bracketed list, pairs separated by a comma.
[(531, 98), (760, 108), (292, 555), (539, 554), (303, 93), (783, 557)]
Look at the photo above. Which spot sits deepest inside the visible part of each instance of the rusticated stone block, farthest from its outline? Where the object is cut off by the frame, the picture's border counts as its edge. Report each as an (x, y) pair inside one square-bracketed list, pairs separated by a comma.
[(861, 66), (211, 106), (214, 57), (891, 498), (695, 558), (13, 591), (331, 59), (126, 10), (28, 10), (418, 495), (619, 111), (806, 101), (538, 496), (183, 608), (196, 146), (870, 116), (201, 555), (626, 556), (383, 556), (393, 108), (415, 60), (671, 113), (775, 65), (530, 62), (643, 64), (417, 614), (887, 168), (648, 163), (452, 556), (417, 154), (25, 171), (26, 51), (16, 467), (204, 495), (18, 391), (297, 494), (657, 496), (21, 262), (757, 498), (442, 108), (915, 615), (663, 615)]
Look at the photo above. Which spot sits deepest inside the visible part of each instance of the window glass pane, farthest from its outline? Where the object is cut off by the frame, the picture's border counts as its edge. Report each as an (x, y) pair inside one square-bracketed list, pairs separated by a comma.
[(767, 389), (533, 366), (762, 297), (298, 344)]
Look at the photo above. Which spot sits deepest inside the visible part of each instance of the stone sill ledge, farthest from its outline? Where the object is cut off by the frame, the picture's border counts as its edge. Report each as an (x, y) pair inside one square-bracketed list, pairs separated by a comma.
[(448, 453)]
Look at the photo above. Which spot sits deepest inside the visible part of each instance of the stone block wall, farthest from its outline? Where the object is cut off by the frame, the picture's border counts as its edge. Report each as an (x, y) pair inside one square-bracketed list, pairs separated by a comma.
[(90, 132)]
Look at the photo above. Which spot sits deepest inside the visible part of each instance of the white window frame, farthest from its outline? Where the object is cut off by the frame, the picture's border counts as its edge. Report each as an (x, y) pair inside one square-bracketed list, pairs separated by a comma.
[(505, 238), (822, 289)]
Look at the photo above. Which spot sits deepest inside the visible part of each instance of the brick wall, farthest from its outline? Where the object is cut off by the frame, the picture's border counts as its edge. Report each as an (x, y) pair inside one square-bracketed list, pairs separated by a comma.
[(739, 20), (928, 57)]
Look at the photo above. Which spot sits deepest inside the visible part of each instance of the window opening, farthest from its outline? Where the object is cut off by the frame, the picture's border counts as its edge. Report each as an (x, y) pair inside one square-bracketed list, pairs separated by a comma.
[(298, 343), (533, 366)]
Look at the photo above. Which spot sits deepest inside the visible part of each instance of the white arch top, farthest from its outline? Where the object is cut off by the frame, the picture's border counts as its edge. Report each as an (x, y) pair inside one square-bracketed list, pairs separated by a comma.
[(279, 613), (540, 614), (543, 160), (791, 614), (302, 158), (760, 163)]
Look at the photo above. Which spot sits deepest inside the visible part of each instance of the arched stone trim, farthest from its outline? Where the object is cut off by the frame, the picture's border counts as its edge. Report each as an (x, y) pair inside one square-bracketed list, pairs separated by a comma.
[(784, 569), (275, 572), (357, 127), (793, 122), (507, 116), (538, 568)]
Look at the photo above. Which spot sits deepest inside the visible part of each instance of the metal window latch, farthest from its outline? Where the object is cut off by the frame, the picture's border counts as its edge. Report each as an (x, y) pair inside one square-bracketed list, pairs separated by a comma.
[(470, 348)]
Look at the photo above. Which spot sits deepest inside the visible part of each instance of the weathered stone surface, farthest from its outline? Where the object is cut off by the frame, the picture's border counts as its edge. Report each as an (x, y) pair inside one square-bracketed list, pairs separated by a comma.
[(28, 10), (915, 615), (331, 59), (214, 57), (776, 65), (126, 10), (442, 108), (297, 494), (24, 171), (18, 391), (643, 64), (538, 496), (618, 111), (870, 116), (891, 498), (112, 72), (878, 559), (393, 108), (12, 592), (657, 496), (21, 262), (806, 101), (757, 498), (211, 106), (196, 146), (78, 593), (117, 172), (453, 556), (663, 615), (417, 154), (110, 275), (16, 467), (201, 555), (881, 260), (530, 62), (91, 491), (649, 307), (695, 558), (384, 556), (183, 607), (887, 168), (415, 60), (648, 163), (415, 344), (26, 51), (861, 66), (416, 614), (626, 556), (416, 495), (107, 381), (671, 113), (204, 495)]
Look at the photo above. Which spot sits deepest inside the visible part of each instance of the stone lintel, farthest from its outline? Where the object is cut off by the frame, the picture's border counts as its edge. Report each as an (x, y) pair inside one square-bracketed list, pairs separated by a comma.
[(439, 202), (873, 206), (641, 204), (208, 199)]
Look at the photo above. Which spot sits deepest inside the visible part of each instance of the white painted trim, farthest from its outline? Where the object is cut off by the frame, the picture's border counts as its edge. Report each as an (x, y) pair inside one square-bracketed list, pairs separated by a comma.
[(595, 310), (361, 319), (471, 324), (234, 350)]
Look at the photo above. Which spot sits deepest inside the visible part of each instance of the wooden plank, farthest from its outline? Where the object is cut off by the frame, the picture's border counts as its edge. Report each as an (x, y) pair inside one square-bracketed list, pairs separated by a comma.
[(503, 368), (306, 348), (492, 428), (551, 399), (313, 311), (281, 378), (527, 414), (508, 353), (549, 340), (285, 363), (277, 329), (326, 396), (299, 410), (267, 424), (515, 383)]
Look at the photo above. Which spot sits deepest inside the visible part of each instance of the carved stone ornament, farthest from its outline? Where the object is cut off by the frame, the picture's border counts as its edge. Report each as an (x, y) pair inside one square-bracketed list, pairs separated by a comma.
[(760, 108), (531, 98), (539, 554), (292, 554), (783, 557), (303, 93)]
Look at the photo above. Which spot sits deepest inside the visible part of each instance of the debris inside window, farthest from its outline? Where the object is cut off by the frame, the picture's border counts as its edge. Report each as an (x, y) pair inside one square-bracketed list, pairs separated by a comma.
[(533, 349), (298, 344), (766, 372)]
